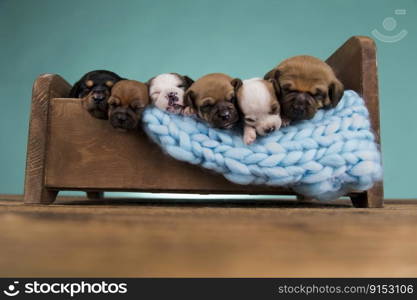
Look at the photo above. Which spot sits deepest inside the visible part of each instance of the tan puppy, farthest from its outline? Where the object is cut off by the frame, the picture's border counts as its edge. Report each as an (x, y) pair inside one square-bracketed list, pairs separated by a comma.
[(126, 103), (259, 105), (213, 97), (306, 85)]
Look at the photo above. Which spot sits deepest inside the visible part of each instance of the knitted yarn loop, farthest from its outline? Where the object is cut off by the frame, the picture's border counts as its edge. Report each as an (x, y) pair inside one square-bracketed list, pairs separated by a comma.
[(325, 157)]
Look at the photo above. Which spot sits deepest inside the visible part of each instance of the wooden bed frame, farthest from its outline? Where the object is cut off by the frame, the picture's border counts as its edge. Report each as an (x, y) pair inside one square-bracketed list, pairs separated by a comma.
[(70, 150)]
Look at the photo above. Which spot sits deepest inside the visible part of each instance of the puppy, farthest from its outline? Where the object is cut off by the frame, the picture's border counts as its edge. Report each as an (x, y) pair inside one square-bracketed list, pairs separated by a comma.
[(213, 97), (259, 105), (94, 87), (126, 103), (306, 84), (166, 92)]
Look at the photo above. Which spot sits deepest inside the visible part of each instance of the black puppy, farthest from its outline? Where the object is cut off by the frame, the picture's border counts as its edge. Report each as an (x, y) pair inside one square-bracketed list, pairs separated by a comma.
[(94, 87)]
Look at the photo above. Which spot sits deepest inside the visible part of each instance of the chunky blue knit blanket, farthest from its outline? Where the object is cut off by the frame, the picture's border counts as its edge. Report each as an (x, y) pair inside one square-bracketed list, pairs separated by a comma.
[(325, 157)]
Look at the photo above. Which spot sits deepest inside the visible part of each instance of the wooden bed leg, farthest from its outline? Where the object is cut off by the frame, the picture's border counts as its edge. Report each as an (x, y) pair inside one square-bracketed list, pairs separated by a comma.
[(95, 195), (45, 88), (49, 196), (372, 198), (359, 200)]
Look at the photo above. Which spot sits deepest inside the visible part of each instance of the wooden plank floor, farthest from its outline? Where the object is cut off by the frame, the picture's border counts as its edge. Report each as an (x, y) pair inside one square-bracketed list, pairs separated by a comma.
[(84, 238)]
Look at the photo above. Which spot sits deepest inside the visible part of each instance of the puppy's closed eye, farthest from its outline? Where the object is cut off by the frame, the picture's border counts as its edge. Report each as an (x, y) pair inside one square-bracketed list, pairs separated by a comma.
[(206, 107), (250, 121), (156, 93), (274, 108), (113, 102), (233, 99), (319, 95), (287, 88), (137, 106)]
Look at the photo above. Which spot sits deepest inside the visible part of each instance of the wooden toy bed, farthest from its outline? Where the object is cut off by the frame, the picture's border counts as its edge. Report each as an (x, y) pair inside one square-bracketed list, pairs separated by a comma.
[(70, 150)]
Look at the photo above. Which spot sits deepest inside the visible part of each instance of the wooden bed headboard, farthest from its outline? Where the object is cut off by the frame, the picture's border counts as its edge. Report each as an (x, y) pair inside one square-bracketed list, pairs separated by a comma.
[(70, 150)]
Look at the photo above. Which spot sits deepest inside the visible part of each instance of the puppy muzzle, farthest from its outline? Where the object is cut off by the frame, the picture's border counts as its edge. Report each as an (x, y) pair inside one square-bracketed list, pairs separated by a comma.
[(225, 116), (269, 130), (171, 100), (122, 121), (268, 124), (301, 107), (99, 94), (98, 97)]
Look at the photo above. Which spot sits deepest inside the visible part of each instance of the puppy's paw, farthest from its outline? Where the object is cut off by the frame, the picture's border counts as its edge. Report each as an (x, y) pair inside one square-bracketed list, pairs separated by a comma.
[(188, 111), (285, 122), (249, 135)]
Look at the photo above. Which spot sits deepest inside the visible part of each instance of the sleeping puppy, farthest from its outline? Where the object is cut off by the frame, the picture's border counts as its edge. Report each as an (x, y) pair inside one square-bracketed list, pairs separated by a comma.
[(306, 84), (213, 97), (167, 92), (126, 103), (94, 87), (259, 105)]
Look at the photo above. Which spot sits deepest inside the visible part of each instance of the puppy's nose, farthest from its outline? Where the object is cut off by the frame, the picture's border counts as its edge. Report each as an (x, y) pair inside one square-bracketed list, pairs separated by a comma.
[(300, 102), (270, 129), (98, 97), (224, 114), (301, 99), (172, 97), (121, 118)]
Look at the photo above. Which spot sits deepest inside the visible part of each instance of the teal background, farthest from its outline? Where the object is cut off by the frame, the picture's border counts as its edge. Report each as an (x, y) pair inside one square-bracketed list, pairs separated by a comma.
[(139, 39)]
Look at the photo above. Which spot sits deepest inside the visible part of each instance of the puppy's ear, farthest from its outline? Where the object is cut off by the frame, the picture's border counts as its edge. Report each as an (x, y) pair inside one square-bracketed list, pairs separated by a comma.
[(273, 74), (75, 90), (336, 90), (236, 83), (277, 87), (188, 81), (189, 99)]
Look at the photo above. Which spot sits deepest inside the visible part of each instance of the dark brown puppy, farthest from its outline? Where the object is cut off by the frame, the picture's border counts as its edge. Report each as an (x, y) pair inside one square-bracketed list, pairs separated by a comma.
[(94, 87), (127, 101), (213, 97), (306, 84)]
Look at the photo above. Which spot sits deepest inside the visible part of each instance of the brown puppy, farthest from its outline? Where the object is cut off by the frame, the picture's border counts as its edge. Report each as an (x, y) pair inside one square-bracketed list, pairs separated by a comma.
[(126, 103), (306, 84), (213, 97)]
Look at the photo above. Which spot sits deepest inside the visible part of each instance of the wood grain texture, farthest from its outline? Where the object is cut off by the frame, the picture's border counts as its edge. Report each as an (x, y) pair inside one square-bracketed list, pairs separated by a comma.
[(46, 87), (77, 237), (88, 154), (355, 64)]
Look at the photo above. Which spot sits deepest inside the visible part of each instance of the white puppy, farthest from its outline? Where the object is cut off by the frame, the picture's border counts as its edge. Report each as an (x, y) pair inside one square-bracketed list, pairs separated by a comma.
[(167, 92), (257, 100)]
